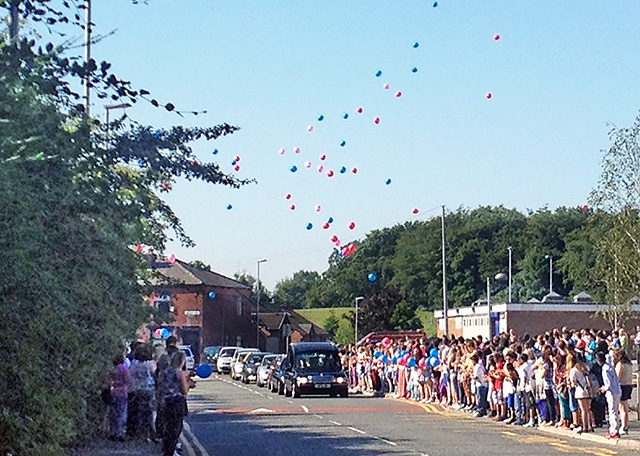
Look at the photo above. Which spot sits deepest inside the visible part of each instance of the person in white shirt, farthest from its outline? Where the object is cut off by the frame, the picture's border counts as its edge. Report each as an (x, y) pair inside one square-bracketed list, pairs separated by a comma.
[(612, 391)]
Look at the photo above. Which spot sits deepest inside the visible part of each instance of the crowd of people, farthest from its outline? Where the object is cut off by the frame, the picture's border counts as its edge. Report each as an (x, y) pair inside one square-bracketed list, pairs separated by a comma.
[(575, 379), (146, 393)]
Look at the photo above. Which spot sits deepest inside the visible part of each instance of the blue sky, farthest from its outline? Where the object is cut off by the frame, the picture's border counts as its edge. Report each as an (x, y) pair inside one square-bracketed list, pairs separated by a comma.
[(560, 73)]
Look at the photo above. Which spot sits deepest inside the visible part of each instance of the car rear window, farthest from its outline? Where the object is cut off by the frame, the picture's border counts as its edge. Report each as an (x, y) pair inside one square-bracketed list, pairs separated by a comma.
[(227, 352)]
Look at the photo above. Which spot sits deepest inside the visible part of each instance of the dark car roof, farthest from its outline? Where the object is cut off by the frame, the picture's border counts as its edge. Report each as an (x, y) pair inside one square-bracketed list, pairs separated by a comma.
[(312, 346)]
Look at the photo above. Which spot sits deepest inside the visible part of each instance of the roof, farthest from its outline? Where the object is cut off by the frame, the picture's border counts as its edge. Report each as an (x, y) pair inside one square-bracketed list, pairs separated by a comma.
[(181, 273), (273, 321)]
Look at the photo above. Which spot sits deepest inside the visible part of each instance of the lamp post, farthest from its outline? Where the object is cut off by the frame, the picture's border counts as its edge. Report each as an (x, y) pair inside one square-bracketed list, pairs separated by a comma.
[(108, 108), (550, 258), (258, 305), (489, 306), (358, 299), (509, 249)]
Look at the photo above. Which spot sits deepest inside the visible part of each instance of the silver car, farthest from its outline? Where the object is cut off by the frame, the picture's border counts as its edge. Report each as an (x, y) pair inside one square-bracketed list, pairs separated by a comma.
[(225, 356), (268, 362), (237, 363)]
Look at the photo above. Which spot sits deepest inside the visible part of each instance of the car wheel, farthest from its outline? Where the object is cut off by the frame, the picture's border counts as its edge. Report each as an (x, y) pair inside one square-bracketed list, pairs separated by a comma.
[(345, 394), (280, 388), (333, 394), (273, 388), (287, 392), (295, 392)]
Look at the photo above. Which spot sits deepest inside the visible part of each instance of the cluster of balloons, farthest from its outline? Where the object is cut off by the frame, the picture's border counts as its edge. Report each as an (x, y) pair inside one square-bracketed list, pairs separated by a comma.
[(347, 250)]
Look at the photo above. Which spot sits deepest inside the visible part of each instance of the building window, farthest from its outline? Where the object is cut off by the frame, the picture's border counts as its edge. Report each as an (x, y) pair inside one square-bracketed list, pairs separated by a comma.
[(458, 322), (239, 306)]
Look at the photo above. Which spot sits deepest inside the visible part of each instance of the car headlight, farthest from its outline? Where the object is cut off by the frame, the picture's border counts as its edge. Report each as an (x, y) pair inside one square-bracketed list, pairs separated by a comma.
[(339, 379), (301, 380)]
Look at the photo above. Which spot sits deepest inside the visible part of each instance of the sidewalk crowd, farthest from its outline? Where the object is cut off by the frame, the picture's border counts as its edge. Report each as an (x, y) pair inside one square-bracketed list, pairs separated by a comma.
[(146, 395), (574, 379)]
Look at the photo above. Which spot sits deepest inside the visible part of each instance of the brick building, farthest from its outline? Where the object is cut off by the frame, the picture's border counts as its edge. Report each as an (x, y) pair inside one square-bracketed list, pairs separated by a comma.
[(281, 328), (532, 317)]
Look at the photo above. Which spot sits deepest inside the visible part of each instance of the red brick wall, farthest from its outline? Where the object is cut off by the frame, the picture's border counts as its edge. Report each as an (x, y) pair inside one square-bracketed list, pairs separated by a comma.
[(221, 323)]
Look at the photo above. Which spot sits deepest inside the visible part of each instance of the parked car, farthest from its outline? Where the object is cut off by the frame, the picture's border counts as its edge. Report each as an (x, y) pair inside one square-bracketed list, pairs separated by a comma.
[(211, 356), (250, 367), (275, 381), (237, 363), (191, 360), (314, 368), (266, 366), (225, 356)]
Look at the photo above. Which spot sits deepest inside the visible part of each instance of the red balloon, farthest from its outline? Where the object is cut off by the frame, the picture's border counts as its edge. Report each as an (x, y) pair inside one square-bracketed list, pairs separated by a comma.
[(387, 340), (415, 210), (326, 225), (352, 225), (360, 110), (334, 238), (422, 362)]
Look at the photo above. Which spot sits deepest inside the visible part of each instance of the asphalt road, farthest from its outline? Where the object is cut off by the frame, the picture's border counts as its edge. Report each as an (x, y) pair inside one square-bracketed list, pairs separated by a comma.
[(229, 418)]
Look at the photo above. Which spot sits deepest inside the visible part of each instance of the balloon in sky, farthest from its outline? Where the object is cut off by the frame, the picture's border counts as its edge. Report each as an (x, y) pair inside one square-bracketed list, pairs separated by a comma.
[(320, 118), (317, 208), (281, 151), (229, 207), (215, 152), (415, 44), (307, 164), (236, 168), (414, 69), (236, 158), (325, 226), (309, 225), (233, 162), (584, 207), (333, 238), (293, 168), (345, 115), (376, 120), (386, 86), (330, 173), (343, 170), (296, 150), (398, 94), (488, 95), (292, 207), (354, 170), (415, 210), (351, 225), (322, 157), (171, 259), (320, 168), (287, 196), (496, 37), (378, 73), (204, 370), (343, 143), (212, 295), (388, 182), (435, 4), (330, 220), (372, 277), (309, 128), (359, 109)]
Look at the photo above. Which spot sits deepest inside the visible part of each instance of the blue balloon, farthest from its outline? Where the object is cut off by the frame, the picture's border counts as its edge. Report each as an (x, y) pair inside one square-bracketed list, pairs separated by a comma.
[(388, 181), (215, 152), (229, 207), (165, 333), (433, 362), (377, 354), (343, 170), (414, 70), (330, 220), (394, 359), (343, 143), (309, 226), (435, 4), (233, 162), (345, 115), (320, 118), (293, 168), (416, 44), (372, 277), (385, 359), (433, 352), (411, 362), (204, 370), (378, 73), (212, 295)]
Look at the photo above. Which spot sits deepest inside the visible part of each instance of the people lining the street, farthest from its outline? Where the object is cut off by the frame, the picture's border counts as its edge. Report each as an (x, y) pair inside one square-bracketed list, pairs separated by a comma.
[(565, 378)]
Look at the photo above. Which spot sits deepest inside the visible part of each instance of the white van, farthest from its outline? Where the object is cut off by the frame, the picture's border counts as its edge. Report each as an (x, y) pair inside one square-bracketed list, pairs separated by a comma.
[(191, 360)]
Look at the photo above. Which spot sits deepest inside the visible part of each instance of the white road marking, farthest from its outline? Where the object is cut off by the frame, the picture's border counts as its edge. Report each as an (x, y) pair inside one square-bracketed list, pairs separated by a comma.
[(335, 422), (290, 402), (387, 441), (305, 408), (357, 430), (269, 397), (318, 416), (196, 442), (262, 410)]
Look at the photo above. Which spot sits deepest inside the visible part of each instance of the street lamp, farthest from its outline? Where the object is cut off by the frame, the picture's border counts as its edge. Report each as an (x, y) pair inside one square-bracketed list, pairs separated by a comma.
[(258, 305), (509, 249), (550, 258), (489, 306), (108, 108), (358, 299)]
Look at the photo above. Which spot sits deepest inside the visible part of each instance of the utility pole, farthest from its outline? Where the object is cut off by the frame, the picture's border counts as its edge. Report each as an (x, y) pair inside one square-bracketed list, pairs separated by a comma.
[(14, 22), (87, 57), (509, 249), (445, 304)]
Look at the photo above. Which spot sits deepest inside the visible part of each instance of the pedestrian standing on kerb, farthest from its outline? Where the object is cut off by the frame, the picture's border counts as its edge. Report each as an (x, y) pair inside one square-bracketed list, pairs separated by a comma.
[(119, 385), (174, 388), (612, 391), (162, 365)]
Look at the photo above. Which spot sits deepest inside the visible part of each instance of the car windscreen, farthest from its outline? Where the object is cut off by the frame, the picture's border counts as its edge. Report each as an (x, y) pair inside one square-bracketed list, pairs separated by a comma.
[(267, 360), (210, 351), (318, 361), (227, 352), (255, 359)]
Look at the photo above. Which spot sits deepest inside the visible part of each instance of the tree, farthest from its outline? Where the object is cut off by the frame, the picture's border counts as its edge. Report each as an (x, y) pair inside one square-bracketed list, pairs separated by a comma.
[(75, 197), (331, 324), (292, 292), (618, 194)]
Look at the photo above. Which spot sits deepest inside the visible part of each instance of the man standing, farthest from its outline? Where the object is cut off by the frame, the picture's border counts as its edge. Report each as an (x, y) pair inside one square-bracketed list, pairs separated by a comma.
[(612, 391)]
